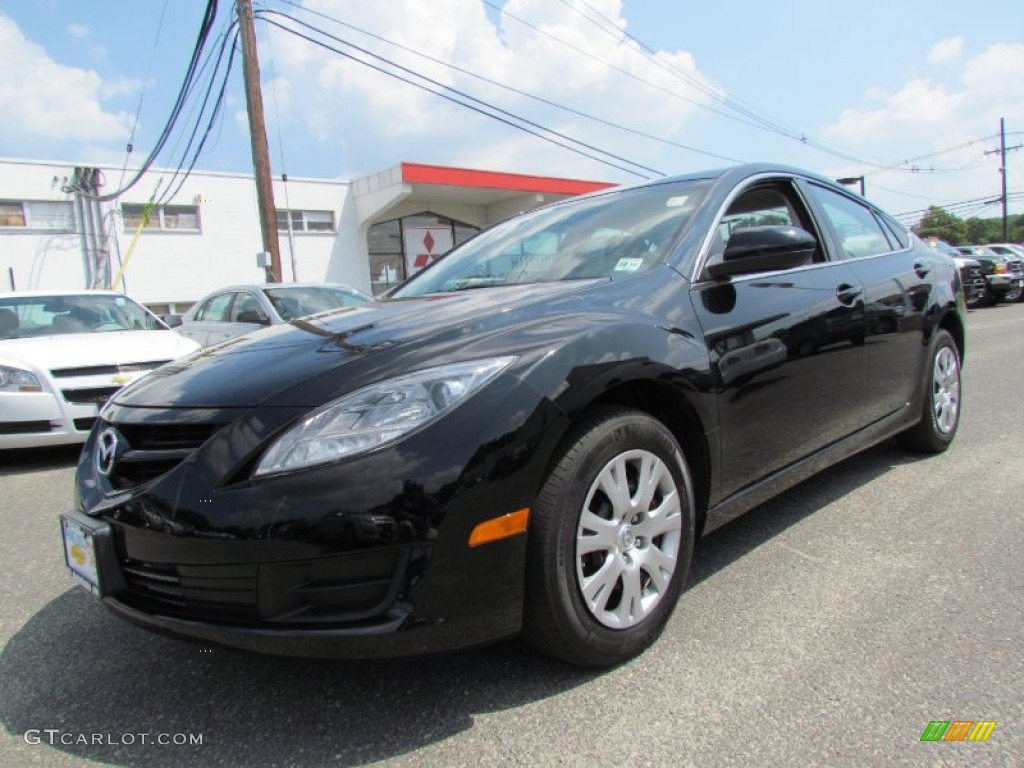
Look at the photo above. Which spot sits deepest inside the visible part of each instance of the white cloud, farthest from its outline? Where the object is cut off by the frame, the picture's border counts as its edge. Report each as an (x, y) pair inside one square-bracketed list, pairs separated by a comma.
[(79, 31), (341, 101), (940, 126), (82, 34), (990, 85), (121, 87), (41, 98), (946, 50)]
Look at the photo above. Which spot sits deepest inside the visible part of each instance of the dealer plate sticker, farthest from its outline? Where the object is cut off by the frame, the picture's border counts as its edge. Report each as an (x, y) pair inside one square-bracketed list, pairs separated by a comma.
[(80, 555)]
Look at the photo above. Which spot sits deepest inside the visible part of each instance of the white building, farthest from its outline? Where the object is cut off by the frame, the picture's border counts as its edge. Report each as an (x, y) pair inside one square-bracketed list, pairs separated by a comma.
[(369, 233)]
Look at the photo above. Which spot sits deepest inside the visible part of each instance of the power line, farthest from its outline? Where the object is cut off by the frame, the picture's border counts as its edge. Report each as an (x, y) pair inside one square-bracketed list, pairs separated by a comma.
[(508, 119), (215, 113), (142, 95), (512, 89), (204, 30)]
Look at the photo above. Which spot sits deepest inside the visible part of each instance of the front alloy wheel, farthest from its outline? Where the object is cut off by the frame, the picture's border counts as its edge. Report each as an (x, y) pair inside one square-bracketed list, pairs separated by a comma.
[(627, 540), (610, 540)]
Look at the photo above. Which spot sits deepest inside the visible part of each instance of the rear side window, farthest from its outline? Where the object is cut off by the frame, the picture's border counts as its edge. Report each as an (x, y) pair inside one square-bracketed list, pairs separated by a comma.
[(856, 227), (896, 230), (216, 308)]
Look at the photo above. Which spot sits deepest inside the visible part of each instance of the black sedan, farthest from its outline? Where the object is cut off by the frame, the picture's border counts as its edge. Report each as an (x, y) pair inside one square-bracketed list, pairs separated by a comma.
[(527, 436)]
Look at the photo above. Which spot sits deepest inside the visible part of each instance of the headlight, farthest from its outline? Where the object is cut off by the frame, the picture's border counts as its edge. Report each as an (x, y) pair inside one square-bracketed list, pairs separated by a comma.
[(17, 380), (377, 415)]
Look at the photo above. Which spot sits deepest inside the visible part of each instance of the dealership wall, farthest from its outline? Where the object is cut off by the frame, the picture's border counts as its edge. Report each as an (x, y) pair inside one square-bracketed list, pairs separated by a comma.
[(169, 266)]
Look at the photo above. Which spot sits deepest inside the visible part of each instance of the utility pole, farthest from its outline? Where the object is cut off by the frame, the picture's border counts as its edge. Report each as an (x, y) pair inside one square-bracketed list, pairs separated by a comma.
[(258, 136), (1003, 149)]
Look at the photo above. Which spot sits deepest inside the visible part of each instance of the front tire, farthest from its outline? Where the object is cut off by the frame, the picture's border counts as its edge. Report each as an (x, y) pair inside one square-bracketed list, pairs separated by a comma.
[(940, 412), (611, 539)]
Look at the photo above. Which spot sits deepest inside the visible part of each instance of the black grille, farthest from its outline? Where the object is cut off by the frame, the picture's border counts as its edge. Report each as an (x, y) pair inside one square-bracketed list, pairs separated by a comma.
[(24, 427), (163, 437), (103, 370), (84, 425), (340, 589), (89, 395), (226, 593), (154, 449)]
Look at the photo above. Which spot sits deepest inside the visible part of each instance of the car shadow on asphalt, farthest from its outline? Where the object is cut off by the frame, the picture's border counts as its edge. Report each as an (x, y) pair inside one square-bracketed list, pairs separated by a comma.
[(75, 668), (732, 541)]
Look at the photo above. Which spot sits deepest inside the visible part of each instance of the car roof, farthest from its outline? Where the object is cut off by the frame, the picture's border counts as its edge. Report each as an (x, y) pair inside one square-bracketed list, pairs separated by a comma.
[(39, 294)]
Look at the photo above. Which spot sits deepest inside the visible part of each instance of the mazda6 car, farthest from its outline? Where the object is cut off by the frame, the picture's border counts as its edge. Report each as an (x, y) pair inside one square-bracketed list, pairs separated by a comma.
[(527, 436), (63, 354)]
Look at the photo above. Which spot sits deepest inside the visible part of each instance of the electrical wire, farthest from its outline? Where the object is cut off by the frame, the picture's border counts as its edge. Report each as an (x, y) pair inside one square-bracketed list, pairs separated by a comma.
[(514, 90), (215, 114), (204, 30), (509, 119), (142, 95)]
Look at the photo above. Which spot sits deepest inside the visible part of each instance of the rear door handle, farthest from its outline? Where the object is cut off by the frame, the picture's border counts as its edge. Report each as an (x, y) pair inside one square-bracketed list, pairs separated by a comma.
[(847, 293)]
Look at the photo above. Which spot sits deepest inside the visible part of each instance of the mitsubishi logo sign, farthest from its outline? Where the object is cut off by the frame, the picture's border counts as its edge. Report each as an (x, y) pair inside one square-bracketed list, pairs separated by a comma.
[(107, 445)]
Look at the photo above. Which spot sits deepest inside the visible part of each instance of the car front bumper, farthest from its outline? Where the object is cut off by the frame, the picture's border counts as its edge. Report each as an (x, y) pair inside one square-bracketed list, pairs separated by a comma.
[(1004, 283), (35, 419)]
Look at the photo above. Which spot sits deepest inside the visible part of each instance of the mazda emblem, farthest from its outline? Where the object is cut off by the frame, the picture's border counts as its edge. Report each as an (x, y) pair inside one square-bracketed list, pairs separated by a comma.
[(106, 451)]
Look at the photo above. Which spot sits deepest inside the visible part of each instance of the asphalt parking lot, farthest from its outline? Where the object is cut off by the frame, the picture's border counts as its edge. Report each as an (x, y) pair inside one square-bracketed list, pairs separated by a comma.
[(828, 627)]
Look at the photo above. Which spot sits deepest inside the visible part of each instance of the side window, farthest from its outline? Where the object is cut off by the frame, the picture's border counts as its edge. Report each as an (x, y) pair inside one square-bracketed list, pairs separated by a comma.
[(898, 232), (245, 302), (757, 207), (855, 225), (763, 205), (216, 308)]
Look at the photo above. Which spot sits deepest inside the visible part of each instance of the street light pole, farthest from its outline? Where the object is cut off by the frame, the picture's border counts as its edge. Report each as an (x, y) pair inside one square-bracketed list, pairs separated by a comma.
[(853, 180)]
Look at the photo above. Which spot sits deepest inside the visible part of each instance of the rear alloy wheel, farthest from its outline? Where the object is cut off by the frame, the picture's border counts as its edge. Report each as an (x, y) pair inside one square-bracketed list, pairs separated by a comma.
[(940, 415), (1013, 294), (611, 538)]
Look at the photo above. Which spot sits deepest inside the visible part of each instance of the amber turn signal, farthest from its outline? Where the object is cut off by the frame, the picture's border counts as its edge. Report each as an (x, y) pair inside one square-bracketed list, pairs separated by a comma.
[(499, 528)]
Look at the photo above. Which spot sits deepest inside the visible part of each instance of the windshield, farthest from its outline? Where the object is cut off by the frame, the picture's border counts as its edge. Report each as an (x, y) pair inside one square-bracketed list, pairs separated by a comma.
[(297, 301), (27, 316), (608, 235)]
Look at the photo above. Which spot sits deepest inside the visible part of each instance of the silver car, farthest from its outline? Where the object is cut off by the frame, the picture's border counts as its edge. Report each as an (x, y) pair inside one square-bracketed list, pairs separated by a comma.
[(241, 309)]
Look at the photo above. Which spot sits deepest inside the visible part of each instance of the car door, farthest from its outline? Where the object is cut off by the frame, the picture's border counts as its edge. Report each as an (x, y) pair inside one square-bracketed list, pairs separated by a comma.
[(211, 321), (897, 281), (247, 314), (786, 346)]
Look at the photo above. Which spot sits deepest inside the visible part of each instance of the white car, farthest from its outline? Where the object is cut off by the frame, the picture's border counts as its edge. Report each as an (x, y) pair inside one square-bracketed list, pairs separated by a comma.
[(63, 354)]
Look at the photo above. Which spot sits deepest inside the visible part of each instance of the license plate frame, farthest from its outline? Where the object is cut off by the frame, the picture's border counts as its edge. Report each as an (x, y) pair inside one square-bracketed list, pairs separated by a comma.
[(81, 555)]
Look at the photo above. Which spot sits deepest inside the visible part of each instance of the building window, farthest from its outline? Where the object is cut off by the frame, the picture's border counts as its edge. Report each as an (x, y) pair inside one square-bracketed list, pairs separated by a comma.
[(172, 218), (44, 215), (402, 247), (306, 221)]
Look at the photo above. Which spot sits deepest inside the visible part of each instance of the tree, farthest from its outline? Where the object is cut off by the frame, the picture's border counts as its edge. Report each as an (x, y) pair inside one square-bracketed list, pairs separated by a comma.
[(943, 225), (981, 231)]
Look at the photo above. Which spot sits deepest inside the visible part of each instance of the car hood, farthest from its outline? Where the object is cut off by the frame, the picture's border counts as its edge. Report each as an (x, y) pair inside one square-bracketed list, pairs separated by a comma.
[(77, 350), (274, 366)]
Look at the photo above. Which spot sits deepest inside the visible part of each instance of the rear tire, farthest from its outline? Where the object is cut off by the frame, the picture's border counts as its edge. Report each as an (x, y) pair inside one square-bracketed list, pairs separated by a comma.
[(940, 411), (611, 539)]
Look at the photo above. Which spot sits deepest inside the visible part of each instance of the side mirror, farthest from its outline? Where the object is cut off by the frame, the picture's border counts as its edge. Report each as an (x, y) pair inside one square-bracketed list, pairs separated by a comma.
[(252, 316), (172, 321), (764, 249)]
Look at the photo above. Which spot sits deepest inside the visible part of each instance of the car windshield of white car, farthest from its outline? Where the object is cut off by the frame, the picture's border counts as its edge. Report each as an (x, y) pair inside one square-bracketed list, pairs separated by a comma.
[(607, 235), (33, 316)]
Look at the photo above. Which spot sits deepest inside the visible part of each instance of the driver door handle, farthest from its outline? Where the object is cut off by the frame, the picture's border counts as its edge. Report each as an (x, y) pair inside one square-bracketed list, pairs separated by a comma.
[(847, 293)]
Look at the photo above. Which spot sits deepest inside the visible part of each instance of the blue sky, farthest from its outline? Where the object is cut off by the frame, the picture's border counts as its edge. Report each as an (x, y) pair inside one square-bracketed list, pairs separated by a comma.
[(877, 83)]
